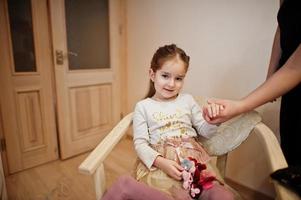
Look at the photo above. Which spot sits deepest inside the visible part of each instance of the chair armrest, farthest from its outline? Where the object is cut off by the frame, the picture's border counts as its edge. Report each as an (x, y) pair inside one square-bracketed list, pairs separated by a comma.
[(275, 158), (231, 134), (271, 146), (99, 154)]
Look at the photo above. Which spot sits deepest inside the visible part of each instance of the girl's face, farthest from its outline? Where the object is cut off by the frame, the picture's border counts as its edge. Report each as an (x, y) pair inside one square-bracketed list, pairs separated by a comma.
[(168, 80)]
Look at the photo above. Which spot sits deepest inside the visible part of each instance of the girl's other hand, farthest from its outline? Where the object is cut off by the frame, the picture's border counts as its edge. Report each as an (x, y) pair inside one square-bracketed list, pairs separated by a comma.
[(170, 167)]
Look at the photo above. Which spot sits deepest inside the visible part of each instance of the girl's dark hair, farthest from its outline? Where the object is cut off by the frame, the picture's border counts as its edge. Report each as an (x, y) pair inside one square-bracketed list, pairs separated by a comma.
[(162, 55)]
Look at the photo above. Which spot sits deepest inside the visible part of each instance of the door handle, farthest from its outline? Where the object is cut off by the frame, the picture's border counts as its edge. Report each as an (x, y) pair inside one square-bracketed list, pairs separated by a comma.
[(71, 53), (59, 57)]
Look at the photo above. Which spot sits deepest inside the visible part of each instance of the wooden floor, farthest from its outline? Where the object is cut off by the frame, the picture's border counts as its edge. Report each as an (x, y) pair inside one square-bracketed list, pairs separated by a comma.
[(61, 179)]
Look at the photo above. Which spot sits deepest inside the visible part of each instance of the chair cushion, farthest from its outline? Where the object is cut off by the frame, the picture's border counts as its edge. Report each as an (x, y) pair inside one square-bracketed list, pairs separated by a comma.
[(231, 133)]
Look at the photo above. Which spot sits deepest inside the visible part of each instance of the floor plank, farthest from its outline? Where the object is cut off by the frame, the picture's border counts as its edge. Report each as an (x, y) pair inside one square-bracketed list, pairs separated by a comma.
[(60, 180)]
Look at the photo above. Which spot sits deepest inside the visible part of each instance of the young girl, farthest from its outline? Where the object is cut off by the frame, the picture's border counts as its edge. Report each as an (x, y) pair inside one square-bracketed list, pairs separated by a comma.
[(166, 124)]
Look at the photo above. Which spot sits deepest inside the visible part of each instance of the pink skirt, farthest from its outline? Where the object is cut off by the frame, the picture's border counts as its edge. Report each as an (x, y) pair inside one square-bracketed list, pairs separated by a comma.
[(176, 149)]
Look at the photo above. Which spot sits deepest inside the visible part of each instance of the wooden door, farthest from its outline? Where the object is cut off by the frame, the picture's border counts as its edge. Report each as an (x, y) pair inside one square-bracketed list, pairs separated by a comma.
[(87, 49), (26, 78)]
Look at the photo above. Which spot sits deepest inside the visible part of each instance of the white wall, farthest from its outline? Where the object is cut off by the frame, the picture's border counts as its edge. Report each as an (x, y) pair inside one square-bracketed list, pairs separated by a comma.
[(229, 42)]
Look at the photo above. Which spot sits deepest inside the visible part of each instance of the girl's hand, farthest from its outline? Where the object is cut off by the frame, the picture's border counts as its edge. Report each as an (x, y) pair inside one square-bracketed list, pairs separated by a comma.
[(170, 167), (212, 110)]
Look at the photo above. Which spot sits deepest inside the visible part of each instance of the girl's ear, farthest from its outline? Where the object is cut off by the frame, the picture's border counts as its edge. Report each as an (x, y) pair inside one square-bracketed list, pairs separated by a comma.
[(151, 74)]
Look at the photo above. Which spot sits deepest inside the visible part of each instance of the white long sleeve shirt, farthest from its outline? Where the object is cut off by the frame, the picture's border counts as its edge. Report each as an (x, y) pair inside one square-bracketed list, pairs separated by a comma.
[(154, 121)]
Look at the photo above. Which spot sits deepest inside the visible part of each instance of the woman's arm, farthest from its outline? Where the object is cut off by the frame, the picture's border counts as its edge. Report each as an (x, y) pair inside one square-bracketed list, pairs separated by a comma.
[(282, 81), (285, 79), (276, 52), (275, 55)]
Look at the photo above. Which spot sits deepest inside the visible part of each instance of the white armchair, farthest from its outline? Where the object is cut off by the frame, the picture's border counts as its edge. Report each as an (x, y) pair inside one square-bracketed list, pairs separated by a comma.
[(244, 128)]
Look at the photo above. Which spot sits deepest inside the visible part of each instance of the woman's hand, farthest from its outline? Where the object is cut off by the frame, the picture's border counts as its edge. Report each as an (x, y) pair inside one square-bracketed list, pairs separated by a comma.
[(170, 167), (227, 110), (211, 110)]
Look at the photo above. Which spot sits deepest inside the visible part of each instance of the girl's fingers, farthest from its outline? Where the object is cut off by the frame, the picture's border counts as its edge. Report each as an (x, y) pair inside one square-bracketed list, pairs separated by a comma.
[(176, 171), (209, 110), (206, 114), (179, 167), (204, 111), (206, 117), (177, 174), (217, 110), (213, 107), (212, 110)]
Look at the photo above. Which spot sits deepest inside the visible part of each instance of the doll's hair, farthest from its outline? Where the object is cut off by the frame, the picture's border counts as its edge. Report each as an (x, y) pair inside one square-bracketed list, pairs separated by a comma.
[(163, 54)]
